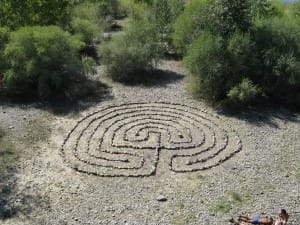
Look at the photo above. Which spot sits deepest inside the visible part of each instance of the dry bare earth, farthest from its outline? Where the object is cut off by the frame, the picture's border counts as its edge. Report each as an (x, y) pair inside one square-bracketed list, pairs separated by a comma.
[(158, 144)]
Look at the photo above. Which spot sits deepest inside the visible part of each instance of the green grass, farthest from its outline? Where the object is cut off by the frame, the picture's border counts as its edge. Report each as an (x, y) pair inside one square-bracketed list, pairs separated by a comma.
[(184, 219), (8, 152), (298, 171), (222, 206), (225, 205), (236, 197)]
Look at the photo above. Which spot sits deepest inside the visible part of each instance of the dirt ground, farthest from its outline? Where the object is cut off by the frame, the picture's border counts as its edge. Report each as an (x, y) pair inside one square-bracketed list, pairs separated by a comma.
[(50, 185)]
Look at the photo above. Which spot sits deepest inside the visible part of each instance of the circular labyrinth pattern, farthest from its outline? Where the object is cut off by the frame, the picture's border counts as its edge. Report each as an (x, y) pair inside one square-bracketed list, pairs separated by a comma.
[(127, 140)]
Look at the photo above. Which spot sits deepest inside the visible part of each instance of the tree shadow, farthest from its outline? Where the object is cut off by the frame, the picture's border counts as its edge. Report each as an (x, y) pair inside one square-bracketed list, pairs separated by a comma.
[(14, 202), (78, 96), (264, 114), (156, 78)]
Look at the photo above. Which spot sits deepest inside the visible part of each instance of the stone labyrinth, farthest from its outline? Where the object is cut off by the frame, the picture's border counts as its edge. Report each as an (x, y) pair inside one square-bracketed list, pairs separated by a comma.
[(128, 140)]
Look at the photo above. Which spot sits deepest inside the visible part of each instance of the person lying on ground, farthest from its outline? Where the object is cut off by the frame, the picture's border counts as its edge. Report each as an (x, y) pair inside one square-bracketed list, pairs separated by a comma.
[(282, 218)]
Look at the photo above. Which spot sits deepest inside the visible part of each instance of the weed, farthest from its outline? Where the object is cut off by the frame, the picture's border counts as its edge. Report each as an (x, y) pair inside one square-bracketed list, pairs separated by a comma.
[(183, 219), (225, 205), (8, 152), (236, 196), (222, 206), (298, 171)]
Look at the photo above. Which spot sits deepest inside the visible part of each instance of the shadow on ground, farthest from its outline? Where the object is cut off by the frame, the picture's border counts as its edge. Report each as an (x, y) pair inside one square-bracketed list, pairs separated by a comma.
[(15, 202), (264, 114), (76, 98), (157, 78)]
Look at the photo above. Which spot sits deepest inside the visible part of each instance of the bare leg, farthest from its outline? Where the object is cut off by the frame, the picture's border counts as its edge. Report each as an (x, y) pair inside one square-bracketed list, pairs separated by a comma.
[(245, 219), (235, 221)]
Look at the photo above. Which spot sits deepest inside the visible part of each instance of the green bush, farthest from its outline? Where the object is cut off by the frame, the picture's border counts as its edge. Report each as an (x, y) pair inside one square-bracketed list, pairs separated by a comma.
[(190, 24), (221, 17), (87, 23), (262, 9), (17, 13), (243, 54), (85, 31), (42, 59), (229, 16), (243, 93), (88, 11), (132, 55), (204, 61), (165, 13), (217, 64), (278, 44), (4, 34), (296, 9), (108, 7)]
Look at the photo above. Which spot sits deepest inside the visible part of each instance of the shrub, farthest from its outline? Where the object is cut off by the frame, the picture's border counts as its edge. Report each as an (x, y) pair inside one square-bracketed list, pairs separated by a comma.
[(16, 13), (296, 9), (190, 24), (108, 7), (243, 93), (278, 44), (88, 11), (263, 9), (166, 12), (204, 61), (41, 59), (130, 56), (217, 64), (229, 16), (85, 31), (4, 34), (87, 25)]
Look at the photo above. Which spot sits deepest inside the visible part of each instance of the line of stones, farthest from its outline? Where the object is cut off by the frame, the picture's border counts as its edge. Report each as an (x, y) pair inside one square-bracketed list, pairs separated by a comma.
[(157, 150)]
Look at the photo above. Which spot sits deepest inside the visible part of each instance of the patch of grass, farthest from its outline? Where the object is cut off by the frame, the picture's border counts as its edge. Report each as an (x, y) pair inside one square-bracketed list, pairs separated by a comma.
[(236, 197), (8, 152), (184, 219), (197, 177), (37, 130), (297, 174), (223, 206)]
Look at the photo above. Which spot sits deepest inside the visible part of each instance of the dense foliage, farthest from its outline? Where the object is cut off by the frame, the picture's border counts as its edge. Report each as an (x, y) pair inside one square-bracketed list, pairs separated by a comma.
[(132, 56), (165, 13), (16, 13), (190, 24), (4, 35), (244, 51), (42, 60), (237, 51)]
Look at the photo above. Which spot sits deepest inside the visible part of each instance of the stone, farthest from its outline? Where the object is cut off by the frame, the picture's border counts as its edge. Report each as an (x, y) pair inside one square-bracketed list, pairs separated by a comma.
[(161, 198)]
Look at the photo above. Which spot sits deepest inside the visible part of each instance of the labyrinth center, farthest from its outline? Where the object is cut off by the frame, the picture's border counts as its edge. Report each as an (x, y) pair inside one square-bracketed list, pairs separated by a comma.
[(127, 139)]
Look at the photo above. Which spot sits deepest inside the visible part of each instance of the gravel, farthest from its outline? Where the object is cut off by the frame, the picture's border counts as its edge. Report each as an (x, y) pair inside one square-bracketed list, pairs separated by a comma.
[(259, 180)]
